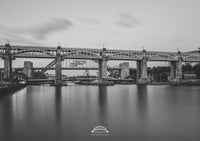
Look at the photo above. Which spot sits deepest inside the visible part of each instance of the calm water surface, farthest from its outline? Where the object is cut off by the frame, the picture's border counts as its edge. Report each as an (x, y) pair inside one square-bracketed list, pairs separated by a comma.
[(129, 112)]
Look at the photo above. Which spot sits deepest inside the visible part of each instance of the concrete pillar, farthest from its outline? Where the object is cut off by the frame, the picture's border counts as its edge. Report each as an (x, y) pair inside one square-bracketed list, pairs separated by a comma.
[(176, 69), (7, 63), (142, 70), (124, 73), (28, 69), (103, 66), (58, 71)]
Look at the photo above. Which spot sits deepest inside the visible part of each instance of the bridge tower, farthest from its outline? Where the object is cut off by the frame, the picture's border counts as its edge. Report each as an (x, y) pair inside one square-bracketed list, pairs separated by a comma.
[(28, 69), (142, 69), (58, 70), (176, 69), (103, 66), (7, 62), (124, 70)]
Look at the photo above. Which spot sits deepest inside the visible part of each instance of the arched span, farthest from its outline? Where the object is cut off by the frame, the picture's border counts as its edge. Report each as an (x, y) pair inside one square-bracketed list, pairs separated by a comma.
[(124, 55), (190, 58), (161, 57), (81, 54), (42, 52)]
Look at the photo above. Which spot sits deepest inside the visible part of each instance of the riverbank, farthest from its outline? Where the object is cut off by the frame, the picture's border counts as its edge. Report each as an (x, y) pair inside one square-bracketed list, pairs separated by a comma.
[(9, 89)]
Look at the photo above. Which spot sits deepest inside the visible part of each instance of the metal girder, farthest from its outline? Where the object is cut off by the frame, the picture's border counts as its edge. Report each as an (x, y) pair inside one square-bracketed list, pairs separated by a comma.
[(85, 53)]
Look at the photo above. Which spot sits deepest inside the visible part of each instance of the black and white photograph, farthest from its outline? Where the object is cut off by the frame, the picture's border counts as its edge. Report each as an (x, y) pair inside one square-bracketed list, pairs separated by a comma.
[(99, 70)]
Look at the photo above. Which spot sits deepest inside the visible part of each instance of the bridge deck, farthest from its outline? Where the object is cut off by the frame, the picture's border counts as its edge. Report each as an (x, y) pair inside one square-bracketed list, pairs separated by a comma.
[(87, 53)]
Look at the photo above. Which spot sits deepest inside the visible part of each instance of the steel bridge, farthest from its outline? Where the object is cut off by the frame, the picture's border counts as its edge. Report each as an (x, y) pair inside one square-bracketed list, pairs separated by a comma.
[(85, 53), (101, 56)]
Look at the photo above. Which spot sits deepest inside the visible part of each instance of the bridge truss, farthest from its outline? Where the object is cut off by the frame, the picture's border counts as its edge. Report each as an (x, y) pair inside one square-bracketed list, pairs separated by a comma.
[(98, 58), (85, 53)]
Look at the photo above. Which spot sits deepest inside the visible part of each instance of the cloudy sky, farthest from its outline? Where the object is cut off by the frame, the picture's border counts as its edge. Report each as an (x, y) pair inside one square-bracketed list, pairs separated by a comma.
[(120, 24)]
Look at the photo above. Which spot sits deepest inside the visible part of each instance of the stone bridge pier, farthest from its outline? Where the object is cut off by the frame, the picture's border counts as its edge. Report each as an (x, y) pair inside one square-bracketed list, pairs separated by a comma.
[(7, 62), (142, 69), (103, 67), (58, 65), (176, 70)]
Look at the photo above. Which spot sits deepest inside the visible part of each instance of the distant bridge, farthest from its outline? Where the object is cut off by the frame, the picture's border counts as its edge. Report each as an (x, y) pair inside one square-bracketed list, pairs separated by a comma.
[(63, 68), (76, 80)]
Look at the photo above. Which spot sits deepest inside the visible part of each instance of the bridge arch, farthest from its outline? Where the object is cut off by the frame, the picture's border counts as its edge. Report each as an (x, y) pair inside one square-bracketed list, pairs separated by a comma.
[(162, 57), (76, 53), (125, 55), (33, 51), (190, 57)]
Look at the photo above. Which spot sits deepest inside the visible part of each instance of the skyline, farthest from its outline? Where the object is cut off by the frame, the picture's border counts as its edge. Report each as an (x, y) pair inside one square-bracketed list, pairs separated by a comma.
[(156, 25)]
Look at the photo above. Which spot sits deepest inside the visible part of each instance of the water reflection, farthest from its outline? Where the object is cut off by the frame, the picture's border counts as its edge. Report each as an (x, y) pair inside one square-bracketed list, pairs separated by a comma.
[(29, 101), (58, 111), (142, 108), (102, 99), (129, 112), (58, 103), (6, 119), (142, 99)]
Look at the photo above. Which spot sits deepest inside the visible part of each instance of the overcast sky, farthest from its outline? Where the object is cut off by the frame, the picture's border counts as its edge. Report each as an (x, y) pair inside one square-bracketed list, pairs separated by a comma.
[(120, 24)]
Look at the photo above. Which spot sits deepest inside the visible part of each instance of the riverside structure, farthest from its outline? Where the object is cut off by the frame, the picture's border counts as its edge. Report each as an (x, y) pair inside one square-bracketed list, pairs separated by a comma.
[(101, 56)]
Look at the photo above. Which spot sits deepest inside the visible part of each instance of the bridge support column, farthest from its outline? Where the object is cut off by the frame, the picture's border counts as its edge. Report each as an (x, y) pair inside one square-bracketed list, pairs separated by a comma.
[(176, 70), (124, 73), (7, 63), (58, 71), (142, 77), (103, 67), (28, 69)]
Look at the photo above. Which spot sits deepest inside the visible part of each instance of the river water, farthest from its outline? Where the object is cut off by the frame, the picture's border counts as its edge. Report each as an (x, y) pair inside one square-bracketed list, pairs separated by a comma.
[(129, 112)]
